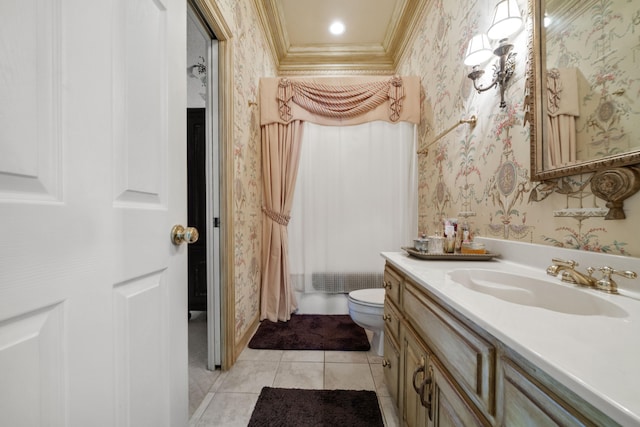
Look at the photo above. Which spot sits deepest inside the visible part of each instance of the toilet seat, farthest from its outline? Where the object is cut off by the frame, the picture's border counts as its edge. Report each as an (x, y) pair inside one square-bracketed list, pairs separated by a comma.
[(371, 297)]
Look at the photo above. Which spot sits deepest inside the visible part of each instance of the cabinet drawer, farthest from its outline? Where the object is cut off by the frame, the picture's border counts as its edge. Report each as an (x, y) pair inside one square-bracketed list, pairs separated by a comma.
[(468, 357), (392, 284), (391, 320)]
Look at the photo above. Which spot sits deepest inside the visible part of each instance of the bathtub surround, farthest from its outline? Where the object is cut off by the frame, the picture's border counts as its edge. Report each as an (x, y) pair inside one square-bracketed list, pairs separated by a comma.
[(296, 407), (311, 332)]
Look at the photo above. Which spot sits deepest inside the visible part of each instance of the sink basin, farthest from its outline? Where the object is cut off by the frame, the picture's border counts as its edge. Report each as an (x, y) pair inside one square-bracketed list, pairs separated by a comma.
[(524, 290)]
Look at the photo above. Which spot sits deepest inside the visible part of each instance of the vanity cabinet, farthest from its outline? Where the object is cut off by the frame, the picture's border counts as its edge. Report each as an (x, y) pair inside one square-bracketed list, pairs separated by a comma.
[(444, 370)]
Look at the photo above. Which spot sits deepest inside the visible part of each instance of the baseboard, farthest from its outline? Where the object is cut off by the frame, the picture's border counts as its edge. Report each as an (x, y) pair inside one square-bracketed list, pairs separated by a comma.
[(241, 344)]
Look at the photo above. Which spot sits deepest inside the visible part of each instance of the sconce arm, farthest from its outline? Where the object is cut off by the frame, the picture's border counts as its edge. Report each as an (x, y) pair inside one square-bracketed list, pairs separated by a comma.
[(503, 70), (475, 76)]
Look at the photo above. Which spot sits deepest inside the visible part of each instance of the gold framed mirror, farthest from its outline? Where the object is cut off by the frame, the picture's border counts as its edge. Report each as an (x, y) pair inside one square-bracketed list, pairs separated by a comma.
[(583, 72)]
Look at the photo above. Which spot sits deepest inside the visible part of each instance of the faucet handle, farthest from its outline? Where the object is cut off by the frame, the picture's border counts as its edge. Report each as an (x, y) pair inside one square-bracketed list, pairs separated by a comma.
[(565, 262), (554, 269), (607, 284)]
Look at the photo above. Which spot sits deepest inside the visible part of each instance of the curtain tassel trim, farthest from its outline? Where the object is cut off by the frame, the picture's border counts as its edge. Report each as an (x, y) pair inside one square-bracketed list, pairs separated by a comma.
[(285, 94), (278, 217), (396, 95)]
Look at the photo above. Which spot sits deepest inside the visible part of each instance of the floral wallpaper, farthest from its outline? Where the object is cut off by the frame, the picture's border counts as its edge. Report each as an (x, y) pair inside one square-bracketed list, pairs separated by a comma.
[(251, 62), (480, 174)]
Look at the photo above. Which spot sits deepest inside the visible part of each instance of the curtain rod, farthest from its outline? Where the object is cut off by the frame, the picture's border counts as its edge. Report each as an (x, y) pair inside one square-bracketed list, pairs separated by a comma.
[(471, 120)]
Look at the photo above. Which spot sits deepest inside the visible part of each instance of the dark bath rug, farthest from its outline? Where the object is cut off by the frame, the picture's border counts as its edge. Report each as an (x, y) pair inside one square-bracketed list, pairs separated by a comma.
[(284, 407), (311, 332)]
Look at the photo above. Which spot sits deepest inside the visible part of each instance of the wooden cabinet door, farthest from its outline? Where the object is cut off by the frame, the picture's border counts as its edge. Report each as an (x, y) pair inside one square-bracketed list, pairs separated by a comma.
[(391, 367), (414, 366), (449, 407)]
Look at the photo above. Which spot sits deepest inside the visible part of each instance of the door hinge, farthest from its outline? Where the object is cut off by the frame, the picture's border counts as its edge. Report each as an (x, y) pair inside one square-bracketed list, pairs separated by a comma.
[(216, 222)]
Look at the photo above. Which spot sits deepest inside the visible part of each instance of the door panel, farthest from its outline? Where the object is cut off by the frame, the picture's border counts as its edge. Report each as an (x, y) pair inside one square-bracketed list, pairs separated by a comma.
[(30, 90), (140, 107), (36, 339), (140, 337), (93, 294)]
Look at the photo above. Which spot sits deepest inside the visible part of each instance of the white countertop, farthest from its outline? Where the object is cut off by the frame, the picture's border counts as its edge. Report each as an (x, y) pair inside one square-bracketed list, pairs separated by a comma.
[(597, 357)]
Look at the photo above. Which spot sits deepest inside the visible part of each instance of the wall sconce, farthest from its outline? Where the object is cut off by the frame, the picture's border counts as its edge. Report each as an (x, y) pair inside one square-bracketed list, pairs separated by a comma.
[(506, 21)]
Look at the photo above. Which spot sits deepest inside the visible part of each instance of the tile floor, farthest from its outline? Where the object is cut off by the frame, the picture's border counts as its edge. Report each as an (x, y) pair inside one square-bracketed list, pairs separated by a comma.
[(228, 398)]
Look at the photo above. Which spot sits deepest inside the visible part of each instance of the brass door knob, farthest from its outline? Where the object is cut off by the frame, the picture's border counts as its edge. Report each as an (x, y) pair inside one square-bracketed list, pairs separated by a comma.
[(180, 234)]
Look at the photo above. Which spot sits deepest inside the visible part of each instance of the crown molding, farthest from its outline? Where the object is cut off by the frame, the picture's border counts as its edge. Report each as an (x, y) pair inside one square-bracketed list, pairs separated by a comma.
[(380, 58)]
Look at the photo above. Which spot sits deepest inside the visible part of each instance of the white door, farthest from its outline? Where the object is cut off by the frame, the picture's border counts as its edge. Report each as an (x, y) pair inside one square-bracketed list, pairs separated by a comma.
[(93, 295)]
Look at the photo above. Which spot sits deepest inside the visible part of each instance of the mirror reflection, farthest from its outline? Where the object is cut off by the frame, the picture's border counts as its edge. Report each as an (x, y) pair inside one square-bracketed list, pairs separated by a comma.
[(589, 85)]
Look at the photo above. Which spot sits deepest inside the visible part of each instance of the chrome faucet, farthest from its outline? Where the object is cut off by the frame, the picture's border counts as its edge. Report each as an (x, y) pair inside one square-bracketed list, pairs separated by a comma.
[(571, 275)]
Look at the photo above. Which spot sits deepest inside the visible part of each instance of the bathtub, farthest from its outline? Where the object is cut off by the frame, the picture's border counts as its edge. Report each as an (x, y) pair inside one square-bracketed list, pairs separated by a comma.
[(321, 303)]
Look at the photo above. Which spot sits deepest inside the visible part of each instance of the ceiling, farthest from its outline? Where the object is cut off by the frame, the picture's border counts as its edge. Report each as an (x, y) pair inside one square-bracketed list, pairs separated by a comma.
[(376, 36)]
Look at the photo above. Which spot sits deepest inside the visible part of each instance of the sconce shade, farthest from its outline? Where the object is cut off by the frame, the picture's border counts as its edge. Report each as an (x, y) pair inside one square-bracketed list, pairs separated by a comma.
[(478, 51), (506, 20)]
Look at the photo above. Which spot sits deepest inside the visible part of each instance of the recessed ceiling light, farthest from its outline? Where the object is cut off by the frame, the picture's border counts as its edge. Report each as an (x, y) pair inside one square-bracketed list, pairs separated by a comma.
[(336, 28)]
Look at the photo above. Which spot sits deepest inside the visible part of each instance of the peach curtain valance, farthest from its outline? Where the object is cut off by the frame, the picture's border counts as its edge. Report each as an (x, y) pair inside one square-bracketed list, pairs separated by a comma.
[(340, 101)]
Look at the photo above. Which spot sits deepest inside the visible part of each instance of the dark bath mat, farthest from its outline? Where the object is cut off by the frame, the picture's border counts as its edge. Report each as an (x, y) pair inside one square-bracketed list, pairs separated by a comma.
[(283, 407), (311, 332)]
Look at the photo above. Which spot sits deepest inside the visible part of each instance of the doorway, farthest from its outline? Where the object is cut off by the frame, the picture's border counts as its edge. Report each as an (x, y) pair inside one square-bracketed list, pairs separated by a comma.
[(203, 194)]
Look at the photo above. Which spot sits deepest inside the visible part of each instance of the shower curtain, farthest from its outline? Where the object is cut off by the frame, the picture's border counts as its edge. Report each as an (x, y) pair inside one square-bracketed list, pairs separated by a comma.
[(356, 196)]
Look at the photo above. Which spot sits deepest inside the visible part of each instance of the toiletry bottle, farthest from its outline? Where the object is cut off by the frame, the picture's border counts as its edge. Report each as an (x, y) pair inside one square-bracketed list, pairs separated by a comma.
[(466, 235)]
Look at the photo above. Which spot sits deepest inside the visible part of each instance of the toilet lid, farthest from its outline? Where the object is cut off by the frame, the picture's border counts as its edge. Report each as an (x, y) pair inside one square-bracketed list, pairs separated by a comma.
[(370, 296)]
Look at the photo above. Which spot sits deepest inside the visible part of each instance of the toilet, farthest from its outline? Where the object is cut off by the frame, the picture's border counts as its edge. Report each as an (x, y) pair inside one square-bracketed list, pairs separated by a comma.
[(366, 308)]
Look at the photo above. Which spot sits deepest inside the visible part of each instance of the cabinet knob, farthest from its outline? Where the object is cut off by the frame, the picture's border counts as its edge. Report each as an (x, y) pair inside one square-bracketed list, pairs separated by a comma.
[(386, 363), (386, 317), (387, 285)]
